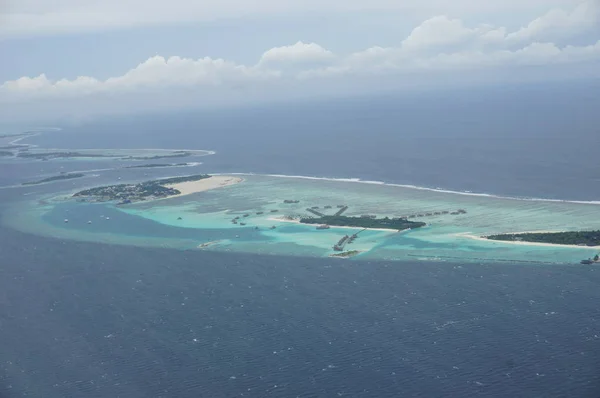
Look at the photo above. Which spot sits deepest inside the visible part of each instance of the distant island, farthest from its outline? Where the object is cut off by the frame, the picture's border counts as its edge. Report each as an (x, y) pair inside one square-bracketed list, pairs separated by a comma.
[(12, 135), (580, 238), (153, 165), (399, 224), (60, 155), (55, 178), (175, 154), (128, 193), (14, 146), (6, 153), (75, 154)]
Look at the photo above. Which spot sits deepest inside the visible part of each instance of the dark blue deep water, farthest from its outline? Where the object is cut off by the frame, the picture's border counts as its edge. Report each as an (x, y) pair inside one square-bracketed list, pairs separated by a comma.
[(93, 320)]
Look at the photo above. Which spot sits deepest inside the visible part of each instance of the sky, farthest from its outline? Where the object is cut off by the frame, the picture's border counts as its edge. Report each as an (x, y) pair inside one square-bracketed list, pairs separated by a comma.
[(66, 59)]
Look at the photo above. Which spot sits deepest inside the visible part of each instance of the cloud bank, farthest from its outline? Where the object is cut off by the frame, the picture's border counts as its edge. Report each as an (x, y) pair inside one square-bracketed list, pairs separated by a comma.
[(438, 46), (42, 17)]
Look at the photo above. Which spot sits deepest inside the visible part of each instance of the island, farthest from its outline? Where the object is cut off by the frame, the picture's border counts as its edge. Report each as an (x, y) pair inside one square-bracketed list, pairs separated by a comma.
[(399, 224), (579, 238), (13, 135), (128, 193), (156, 165), (59, 155), (55, 178), (93, 155), (175, 154)]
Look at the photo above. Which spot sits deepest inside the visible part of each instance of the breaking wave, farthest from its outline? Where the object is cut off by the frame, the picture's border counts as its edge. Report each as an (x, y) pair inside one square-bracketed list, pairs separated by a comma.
[(409, 186)]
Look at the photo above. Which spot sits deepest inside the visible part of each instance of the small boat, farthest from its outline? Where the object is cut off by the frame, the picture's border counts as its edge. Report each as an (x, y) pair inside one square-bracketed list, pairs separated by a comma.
[(66, 220), (89, 222), (587, 262)]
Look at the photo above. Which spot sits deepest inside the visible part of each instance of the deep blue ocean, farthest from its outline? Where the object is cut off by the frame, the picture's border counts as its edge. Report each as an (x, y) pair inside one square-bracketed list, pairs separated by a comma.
[(93, 320)]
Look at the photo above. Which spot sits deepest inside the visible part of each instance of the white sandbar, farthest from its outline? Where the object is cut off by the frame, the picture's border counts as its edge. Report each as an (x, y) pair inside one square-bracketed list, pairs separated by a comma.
[(205, 184)]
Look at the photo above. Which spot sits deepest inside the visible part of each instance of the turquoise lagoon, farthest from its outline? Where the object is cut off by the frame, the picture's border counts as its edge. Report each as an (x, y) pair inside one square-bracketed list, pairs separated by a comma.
[(206, 218)]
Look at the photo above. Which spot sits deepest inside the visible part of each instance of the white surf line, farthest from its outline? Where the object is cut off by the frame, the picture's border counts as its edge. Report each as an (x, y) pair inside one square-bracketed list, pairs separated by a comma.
[(438, 190)]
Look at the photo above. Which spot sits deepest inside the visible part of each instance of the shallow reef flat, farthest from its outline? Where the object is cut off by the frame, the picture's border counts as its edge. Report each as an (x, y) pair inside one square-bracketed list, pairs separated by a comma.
[(263, 213)]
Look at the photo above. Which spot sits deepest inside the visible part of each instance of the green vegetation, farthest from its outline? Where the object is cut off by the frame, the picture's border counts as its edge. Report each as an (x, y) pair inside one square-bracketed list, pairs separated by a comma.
[(176, 154), (15, 135), (60, 155), (363, 222), (128, 193), (74, 154), (178, 180), (350, 253), (582, 238), (151, 165), (56, 178)]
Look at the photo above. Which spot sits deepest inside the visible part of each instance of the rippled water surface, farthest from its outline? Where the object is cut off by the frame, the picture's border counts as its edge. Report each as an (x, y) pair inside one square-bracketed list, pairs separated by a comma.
[(127, 306)]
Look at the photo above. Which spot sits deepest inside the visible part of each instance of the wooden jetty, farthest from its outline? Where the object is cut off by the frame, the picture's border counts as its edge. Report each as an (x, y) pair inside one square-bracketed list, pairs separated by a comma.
[(341, 210), (315, 212)]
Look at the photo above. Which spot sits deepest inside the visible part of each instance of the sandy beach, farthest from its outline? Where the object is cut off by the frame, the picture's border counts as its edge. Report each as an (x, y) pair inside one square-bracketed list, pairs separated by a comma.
[(522, 243), (205, 184), (296, 221)]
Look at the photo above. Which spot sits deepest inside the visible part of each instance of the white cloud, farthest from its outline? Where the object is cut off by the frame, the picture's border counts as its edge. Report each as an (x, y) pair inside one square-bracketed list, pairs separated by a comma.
[(156, 72), (443, 32), (438, 45), (297, 53), (43, 17), (438, 31), (558, 22)]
